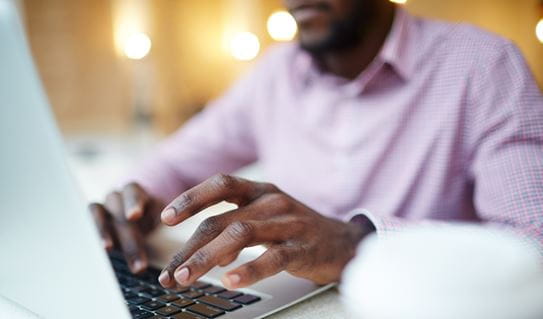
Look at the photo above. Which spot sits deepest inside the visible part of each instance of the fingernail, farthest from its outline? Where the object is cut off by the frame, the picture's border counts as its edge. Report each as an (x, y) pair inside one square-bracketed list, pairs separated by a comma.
[(133, 212), (233, 280), (164, 278), (138, 265), (169, 214), (182, 275)]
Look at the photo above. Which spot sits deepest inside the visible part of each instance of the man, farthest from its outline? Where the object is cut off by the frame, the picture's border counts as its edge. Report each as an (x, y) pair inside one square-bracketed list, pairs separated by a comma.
[(414, 120)]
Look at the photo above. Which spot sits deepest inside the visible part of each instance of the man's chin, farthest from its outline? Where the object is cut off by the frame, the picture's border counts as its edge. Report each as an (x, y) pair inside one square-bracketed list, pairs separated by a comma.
[(315, 45), (327, 46), (338, 38)]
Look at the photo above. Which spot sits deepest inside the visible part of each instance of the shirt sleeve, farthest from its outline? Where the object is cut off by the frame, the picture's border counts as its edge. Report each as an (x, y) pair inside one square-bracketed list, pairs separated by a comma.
[(505, 129), (220, 139)]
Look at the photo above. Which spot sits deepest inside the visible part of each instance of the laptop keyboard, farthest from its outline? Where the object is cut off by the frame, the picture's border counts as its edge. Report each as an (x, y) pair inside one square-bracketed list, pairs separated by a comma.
[(147, 299)]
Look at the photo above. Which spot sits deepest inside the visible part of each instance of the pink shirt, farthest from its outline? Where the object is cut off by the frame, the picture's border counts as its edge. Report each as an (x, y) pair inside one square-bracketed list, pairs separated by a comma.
[(445, 124)]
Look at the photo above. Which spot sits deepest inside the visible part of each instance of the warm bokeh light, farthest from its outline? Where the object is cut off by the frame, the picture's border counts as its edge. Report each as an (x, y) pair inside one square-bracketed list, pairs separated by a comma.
[(282, 26), (539, 30), (136, 46), (244, 46), (399, 1)]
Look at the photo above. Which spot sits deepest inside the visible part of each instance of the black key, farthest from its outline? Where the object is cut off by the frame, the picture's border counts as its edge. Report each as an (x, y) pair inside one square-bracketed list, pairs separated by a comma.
[(246, 299), (153, 292), (168, 310), (168, 298), (152, 305), (230, 294), (137, 300), (133, 308), (149, 277), (178, 289), (118, 262), (141, 314), (138, 289), (121, 279), (152, 275), (116, 256), (200, 285), (219, 303), (128, 295), (205, 310), (213, 290), (192, 294), (182, 303), (186, 315), (158, 317), (130, 283)]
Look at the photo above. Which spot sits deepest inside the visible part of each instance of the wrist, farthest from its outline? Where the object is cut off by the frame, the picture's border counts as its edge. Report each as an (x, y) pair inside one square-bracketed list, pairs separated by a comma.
[(358, 228), (357, 231)]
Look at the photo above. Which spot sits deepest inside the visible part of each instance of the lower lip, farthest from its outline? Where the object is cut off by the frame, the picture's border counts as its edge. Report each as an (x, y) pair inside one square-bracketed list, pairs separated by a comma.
[(307, 14)]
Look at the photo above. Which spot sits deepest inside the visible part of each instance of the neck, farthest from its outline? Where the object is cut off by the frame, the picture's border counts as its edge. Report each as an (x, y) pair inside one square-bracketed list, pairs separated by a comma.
[(349, 63)]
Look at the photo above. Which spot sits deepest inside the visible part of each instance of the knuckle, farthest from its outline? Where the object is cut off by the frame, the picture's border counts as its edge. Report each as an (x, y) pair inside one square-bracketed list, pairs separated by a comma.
[(279, 258), (223, 181), (270, 188), (251, 270), (131, 186), (210, 226), (297, 225), (280, 202), (240, 230), (183, 201), (200, 257), (177, 260)]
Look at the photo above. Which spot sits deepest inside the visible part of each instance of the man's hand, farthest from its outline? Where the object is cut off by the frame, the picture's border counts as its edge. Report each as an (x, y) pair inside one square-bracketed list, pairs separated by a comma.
[(124, 219), (299, 240)]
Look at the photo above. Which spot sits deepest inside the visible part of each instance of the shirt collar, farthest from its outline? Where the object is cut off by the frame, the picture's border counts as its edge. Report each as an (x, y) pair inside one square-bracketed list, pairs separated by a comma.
[(395, 51)]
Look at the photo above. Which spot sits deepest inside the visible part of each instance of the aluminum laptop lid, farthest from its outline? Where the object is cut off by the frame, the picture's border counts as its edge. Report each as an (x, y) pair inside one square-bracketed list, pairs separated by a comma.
[(52, 261)]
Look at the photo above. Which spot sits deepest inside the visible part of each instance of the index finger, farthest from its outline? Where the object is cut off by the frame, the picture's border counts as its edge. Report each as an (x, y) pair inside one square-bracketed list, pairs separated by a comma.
[(214, 190)]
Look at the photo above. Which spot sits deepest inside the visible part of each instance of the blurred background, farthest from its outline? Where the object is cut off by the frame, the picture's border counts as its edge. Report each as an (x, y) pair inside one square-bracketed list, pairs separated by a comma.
[(121, 74)]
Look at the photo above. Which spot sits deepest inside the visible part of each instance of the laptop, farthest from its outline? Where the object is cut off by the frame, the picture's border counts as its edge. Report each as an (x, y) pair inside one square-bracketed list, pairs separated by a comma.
[(52, 263)]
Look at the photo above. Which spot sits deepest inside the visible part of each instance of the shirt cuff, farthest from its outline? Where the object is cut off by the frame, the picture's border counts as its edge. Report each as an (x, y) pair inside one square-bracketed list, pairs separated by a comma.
[(382, 225)]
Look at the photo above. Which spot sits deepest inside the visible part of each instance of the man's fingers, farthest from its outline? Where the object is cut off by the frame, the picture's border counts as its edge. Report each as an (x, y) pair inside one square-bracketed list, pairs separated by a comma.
[(102, 222), (129, 236), (231, 241), (134, 201), (225, 247), (207, 231), (212, 191), (273, 261)]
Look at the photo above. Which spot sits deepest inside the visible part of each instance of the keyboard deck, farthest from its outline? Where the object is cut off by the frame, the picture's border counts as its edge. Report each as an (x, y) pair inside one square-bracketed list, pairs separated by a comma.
[(146, 298)]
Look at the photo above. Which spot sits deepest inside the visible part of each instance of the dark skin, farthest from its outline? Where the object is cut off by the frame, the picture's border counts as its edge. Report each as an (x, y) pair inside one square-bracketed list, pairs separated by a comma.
[(124, 220), (315, 17), (298, 239)]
